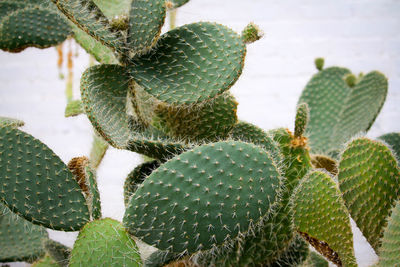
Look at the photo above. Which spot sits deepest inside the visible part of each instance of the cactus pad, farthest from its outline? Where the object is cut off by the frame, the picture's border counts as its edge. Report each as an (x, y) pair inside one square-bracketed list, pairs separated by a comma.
[(11, 122), (203, 198), (46, 261), (87, 16), (146, 18), (58, 252), (301, 121), (178, 3), (337, 111), (315, 260), (104, 243), (137, 176), (191, 64), (104, 91), (322, 218), (295, 254), (20, 240), (393, 140), (389, 251), (369, 179), (37, 185), (16, 32)]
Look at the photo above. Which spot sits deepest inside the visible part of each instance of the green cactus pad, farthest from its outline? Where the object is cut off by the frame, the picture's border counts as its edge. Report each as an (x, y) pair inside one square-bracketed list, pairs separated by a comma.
[(393, 140), (159, 258), (178, 3), (296, 253), (37, 185), (210, 121), (58, 252), (104, 91), (98, 150), (337, 111), (16, 32), (46, 261), (319, 63), (86, 178), (369, 179), (315, 260), (205, 197), (9, 6), (137, 176), (146, 18), (191, 64), (88, 17), (389, 251), (113, 8), (321, 217), (104, 243), (301, 121), (11, 122), (73, 108), (20, 240)]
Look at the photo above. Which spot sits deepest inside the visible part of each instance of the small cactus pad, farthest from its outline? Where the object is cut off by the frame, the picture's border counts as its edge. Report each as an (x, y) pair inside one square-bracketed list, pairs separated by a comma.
[(87, 16), (369, 179), (178, 3), (137, 176), (337, 111), (314, 260), (37, 185), (98, 150), (210, 121), (251, 33), (16, 32), (205, 197), (46, 261), (393, 140), (86, 179), (58, 252), (325, 162), (104, 243), (73, 108), (191, 64), (20, 240), (301, 121), (146, 18), (104, 91), (319, 63), (322, 218), (11, 122), (389, 251)]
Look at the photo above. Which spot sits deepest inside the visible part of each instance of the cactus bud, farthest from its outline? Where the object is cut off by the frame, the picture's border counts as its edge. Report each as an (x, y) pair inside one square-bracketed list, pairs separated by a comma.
[(251, 33), (301, 121), (120, 23), (350, 79), (319, 63)]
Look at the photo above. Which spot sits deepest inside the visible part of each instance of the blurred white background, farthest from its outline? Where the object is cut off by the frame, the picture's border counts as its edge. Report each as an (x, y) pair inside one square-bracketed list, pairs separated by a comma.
[(362, 35)]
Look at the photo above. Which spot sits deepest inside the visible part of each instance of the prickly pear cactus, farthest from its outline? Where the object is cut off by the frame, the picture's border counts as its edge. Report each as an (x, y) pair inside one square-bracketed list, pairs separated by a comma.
[(339, 111), (321, 217), (37, 185), (369, 177), (104, 243), (393, 140), (46, 261), (183, 205), (389, 251), (58, 252)]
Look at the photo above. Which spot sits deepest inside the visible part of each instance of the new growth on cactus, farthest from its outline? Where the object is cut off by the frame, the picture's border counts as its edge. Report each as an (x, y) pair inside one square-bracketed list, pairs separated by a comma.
[(216, 191)]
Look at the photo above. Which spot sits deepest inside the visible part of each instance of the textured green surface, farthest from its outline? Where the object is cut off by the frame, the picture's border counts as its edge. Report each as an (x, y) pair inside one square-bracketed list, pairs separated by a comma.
[(73, 108), (137, 176), (104, 90), (9, 6), (58, 252), (251, 33), (393, 140), (94, 196), (369, 179), (37, 185), (319, 63), (159, 258), (204, 197), (337, 112), (101, 53), (301, 120), (315, 260), (190, 64), (321, 215), (16, 29), (389, 251), (112, 8), (210, 121), (11, 122), (178, 3), (87, 16), (104, 243), (146, 17), (20, 240), (46, 261), (98, 150), (296, 253)]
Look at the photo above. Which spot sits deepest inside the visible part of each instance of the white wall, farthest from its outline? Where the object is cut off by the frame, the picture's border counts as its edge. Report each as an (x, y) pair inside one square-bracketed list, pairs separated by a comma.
[(361, 35)]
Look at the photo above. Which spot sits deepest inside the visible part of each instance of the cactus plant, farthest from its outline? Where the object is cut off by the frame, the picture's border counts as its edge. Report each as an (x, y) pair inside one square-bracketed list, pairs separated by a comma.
[(218, 191)]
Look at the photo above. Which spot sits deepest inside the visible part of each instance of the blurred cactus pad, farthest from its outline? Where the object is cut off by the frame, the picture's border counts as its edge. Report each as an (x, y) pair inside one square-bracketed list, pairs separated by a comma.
[(214, 190)]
